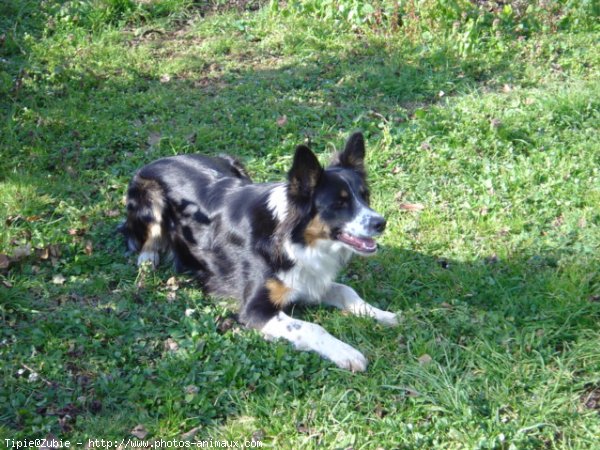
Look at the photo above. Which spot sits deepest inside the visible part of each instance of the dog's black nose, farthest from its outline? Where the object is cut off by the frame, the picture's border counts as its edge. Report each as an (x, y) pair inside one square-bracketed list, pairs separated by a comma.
[(377, 224)]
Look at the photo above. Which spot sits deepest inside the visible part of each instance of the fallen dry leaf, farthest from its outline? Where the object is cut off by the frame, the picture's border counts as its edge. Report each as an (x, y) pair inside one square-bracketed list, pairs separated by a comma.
[(58, 279), (172, 284), (89, 248), (112, 213), (425, 359), (171, 345), (412, 206), (410, 392), (139, 431), (76, 231), (191, 138), (4, 261), (51, 442), (154, 139), (42, 253), (22, 251), (54, 250), (282, 121), (189, 435), (191, 389)]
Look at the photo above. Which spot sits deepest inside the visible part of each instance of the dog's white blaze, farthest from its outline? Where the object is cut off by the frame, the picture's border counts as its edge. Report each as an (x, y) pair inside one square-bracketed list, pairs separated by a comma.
[(315, 268), (278, 202), (359, 226), (313, 337)]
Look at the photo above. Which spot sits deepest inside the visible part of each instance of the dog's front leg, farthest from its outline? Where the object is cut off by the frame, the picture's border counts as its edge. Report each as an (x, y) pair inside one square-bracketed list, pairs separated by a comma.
[(346, 299), (309, 336)]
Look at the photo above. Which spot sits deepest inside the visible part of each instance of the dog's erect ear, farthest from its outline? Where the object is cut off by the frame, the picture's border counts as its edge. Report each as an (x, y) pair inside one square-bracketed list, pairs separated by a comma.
[(305, 173), (353, 156)]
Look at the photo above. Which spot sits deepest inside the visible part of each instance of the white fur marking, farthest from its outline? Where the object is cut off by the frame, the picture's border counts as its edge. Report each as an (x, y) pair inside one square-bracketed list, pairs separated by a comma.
[(151, 258), (278, 202), (359, 226), (346, 299), (312, 337), (149, 253), (315, 268)]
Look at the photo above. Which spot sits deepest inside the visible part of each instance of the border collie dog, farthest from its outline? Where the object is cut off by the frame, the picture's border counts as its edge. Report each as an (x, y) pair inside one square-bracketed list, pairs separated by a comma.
[(267, 245)]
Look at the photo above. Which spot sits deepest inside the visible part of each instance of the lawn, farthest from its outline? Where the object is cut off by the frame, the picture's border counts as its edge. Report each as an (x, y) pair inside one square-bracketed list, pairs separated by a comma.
[(482, 122)]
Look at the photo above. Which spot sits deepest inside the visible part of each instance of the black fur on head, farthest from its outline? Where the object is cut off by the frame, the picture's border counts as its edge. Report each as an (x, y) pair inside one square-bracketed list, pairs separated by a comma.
[(353, 156), (304, 175)]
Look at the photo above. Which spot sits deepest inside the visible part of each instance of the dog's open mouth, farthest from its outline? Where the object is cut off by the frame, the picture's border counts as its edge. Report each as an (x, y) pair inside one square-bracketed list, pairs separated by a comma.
[(360, 244)]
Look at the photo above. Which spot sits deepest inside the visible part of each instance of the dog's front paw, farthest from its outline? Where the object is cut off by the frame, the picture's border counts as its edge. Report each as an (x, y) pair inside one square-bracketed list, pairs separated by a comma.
[(387, 318), (148, 258), (347, 357)]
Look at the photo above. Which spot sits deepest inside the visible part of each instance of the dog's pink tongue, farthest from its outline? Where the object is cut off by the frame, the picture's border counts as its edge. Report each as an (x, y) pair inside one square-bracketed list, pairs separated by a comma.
[(361, 244)]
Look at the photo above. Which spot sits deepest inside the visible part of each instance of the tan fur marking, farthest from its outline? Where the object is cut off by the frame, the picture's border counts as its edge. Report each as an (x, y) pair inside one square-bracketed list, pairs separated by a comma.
[(344, 193), (315, 230), (278, 292)]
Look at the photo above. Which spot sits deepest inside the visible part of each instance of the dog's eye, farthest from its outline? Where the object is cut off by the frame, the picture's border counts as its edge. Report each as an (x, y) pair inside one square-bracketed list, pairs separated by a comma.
[(341, 202)]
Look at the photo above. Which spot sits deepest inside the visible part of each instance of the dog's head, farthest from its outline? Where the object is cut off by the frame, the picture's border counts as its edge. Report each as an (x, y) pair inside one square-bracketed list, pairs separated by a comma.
[(335, 199)]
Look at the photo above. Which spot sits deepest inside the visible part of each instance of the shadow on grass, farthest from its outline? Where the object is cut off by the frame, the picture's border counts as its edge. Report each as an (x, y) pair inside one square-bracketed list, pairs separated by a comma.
[(106, 350)]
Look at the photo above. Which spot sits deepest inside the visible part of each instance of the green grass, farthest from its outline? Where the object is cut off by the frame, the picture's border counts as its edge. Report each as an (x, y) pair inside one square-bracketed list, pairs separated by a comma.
[(492, 125)]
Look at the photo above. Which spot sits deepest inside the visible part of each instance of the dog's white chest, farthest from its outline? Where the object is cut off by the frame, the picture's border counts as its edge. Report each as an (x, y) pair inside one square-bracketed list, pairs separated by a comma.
[(315, 268)]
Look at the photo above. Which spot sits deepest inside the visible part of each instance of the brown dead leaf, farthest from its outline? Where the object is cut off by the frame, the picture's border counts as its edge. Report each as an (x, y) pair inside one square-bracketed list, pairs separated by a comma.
[(191, 389), (139, 431), (4, 261), (12, 219), (58, 279), (51, 442), (282, 121), (54, 251), (425, 359), (171, 345), (42, 253), (172, 284), (153, 139), (410, 392), (495, 123), (412, 206), (190, 435), (380, 411), (112, 213), (21, 252), (89, 247), (590, 399), (191, 138), (76, 231)]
